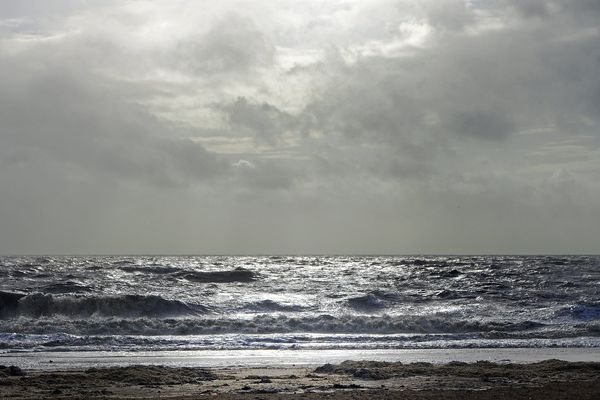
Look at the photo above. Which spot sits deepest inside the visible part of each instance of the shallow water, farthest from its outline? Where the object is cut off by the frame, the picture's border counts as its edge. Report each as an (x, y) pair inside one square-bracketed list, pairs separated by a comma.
[(192, 303), (285, 358)]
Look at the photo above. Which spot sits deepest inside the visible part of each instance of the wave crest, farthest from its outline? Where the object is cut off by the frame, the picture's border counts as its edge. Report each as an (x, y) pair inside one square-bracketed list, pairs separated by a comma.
[(270, 305), (236, 275), (265, 324), (128, 306)]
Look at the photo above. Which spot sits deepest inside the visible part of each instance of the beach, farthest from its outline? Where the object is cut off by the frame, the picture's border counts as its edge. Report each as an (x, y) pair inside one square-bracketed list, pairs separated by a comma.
[(551, 379), (422, 374), (185, 327)]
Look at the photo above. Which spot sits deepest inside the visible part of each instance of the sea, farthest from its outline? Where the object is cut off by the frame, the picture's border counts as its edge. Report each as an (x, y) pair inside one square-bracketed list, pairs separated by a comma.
[(353, 303)]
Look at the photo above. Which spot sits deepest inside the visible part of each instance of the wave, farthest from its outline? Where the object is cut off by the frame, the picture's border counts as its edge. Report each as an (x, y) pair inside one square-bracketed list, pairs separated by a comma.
[(153, 269), (66, 287), (236, 275), (65, 342), (583, 311), (9, 302), (270, 305), (264, 324), (133, 306), (368, 302)]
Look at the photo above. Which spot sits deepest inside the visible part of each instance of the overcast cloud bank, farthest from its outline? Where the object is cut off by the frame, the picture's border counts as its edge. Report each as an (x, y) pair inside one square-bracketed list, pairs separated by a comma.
[(300, 126)]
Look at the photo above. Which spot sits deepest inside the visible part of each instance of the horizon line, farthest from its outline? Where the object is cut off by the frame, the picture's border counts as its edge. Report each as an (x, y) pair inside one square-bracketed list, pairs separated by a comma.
[(466, 254)]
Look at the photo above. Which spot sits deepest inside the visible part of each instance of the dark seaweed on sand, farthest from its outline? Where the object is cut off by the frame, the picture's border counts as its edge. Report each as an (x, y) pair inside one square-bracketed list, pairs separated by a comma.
[(374, 370)]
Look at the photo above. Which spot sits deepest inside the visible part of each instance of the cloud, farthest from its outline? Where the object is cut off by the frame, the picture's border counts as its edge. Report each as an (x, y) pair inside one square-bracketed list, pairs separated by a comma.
[(69, 119), (265, 174), (233, 44), (481, 124), (386, 126), (265, 122), (449, 15), (32, 8)]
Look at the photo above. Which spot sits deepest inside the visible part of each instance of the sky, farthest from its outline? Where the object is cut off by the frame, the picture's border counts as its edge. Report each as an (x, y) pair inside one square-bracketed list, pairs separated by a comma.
[(299, 126)]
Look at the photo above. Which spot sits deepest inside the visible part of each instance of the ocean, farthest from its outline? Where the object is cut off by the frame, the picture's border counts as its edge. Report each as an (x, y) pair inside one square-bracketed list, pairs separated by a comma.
[(166, 303)]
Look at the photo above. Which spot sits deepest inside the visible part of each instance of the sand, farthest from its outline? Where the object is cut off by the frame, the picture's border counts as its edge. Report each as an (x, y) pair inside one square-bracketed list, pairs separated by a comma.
[(550, 379)]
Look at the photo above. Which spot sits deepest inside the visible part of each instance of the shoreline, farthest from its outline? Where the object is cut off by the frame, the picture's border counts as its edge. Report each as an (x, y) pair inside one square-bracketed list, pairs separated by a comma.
[(73, 360), (544, 380)]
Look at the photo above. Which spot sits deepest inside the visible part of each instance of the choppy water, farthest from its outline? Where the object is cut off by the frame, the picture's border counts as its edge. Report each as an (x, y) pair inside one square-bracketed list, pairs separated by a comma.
[(168, 303)]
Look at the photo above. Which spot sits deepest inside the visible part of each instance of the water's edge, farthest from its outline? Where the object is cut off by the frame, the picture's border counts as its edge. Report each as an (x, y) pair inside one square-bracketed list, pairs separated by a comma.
[(285, 358)]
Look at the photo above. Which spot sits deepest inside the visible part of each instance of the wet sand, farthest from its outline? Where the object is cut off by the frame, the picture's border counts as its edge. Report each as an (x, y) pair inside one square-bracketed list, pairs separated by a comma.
[(271, 358), (551, 379)]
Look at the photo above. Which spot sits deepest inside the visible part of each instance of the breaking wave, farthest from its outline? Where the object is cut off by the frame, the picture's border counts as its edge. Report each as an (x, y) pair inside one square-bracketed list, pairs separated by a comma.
[(264, 324), (130, 306), (65, 342)]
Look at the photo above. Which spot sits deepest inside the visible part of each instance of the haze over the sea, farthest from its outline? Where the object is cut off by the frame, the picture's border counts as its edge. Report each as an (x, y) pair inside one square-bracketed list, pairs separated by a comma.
[(299, 126)]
